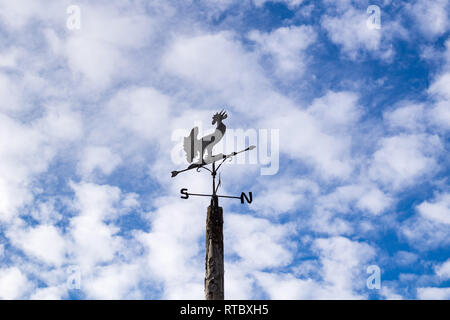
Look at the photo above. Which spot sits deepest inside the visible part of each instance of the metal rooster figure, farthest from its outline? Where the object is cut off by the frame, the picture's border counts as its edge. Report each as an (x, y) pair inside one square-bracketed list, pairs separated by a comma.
[(203, 150), (196, 148)]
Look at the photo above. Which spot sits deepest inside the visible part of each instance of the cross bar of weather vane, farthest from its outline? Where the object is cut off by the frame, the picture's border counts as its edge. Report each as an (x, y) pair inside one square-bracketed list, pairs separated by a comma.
[(243, 197), (202, 165)]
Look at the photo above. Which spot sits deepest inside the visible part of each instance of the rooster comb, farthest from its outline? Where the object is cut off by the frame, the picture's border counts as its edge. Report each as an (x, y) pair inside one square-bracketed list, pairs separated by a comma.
[(222, 113)]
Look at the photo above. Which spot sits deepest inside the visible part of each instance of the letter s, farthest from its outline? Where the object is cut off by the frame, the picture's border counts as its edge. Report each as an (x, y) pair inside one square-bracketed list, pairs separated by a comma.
[(185, 194)]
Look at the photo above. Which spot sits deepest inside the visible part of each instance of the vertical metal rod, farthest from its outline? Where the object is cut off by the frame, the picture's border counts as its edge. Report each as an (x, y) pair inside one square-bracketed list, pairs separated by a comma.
[(214, 178)]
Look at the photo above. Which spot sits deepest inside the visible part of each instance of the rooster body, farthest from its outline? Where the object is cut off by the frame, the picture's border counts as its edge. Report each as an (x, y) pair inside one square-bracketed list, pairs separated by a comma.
[(195, 147)]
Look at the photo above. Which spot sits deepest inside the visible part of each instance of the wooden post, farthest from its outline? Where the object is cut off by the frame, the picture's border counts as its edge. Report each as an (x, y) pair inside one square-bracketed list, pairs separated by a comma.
[(214, 266)]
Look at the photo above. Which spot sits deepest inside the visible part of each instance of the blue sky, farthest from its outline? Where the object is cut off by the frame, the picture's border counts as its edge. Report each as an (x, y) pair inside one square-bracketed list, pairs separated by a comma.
[(90, 123)]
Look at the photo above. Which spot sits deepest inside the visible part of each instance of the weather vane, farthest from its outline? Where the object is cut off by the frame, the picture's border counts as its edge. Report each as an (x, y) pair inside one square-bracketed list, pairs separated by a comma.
[(203, 150)]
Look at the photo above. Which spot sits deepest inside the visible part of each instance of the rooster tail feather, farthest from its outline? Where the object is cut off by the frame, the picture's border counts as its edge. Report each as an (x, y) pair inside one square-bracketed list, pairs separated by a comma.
[(192, 145)]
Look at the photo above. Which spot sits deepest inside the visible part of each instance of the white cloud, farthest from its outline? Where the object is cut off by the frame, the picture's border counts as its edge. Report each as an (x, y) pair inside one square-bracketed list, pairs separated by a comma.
[(346, 22), (13, 284), (440, 114), (28, 143), (330, 223), (286, 46), (343, 264), (322, 133), (213, 61), (96, 53), (45, 212), (332, 211), (10, 94), (172, 248), (16, 14), (439, 92), (401, 160), (290, 3), (258, 242), (287, 287), (437, 210), (437, 293), (443, 270), (410, 117), (336, 110), (431, 16), (9, 58), (95, 200), (280, 197), (374, 201), (350, 209), (239, 285), (405, 258), (143, 111), (425, 234), (389, 293), (339, 4), (213, 8), (109, 265), (43, 242), (98, 157), (116, 281), (60, 124), (441, 86), (94, 239), (431, 293), (24, 154), (350, 31), (50, 293)]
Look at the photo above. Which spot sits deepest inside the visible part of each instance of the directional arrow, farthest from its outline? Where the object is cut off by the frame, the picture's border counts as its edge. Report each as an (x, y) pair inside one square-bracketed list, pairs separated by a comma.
[(222, 158)]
